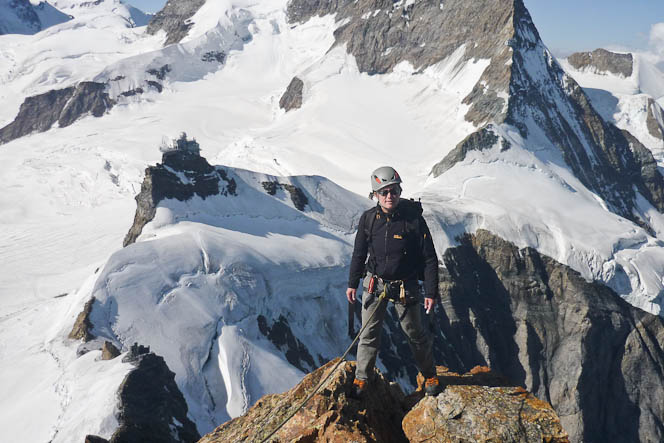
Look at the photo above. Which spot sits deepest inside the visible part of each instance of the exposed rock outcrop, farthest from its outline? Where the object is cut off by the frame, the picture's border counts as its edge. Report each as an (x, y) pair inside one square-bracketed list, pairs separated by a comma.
[(109, 351), (151, 406), (292, 98), (383, 34), (655, 120), (174, 19), (576, 344), (281, 336), (483, 139), (298, 197), (64, 106), (182, 174), (23, 17), (83, 325), (480, 406), (602, 61), (333, 416)]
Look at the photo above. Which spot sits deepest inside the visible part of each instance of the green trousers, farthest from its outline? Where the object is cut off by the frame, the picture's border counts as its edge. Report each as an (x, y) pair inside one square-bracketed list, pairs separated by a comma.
[(410, 316)]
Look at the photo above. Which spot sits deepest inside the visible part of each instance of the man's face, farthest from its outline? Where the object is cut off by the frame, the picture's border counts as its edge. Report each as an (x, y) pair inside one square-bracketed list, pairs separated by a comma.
[(388, 197)]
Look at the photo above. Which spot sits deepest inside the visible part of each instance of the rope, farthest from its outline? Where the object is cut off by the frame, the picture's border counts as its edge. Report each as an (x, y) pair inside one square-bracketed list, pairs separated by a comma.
[(322, 383)]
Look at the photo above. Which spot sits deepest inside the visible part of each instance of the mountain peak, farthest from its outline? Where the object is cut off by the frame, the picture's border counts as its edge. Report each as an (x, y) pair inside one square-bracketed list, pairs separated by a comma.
[(602, 61)]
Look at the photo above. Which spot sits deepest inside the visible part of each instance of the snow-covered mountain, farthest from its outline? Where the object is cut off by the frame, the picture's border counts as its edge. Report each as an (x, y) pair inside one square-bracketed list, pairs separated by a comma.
[(627, 90), (25, 17), (232, 288)]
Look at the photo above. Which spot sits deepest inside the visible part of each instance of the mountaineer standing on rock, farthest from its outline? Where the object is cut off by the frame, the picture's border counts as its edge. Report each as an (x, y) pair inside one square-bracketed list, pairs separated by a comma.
[(401, 252)]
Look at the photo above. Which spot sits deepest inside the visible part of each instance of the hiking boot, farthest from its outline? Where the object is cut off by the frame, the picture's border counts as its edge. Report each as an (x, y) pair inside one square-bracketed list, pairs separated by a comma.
[(432, 386), (359, 387)]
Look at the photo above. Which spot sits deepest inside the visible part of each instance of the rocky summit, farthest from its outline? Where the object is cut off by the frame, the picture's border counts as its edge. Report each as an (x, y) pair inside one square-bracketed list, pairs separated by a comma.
[(476, 406), (574, 343), (602, 61)]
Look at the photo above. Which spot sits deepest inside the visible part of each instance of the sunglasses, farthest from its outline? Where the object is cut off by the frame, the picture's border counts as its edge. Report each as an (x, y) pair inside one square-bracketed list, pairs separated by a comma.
[(393, 191)]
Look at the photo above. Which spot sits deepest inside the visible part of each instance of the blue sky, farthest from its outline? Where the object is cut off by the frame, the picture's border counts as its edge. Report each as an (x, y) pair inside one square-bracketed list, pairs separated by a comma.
[(573, 25), (567, 26)]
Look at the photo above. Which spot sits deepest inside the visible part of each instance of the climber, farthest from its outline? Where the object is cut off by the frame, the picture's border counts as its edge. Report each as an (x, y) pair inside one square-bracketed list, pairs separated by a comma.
[(401, 252)]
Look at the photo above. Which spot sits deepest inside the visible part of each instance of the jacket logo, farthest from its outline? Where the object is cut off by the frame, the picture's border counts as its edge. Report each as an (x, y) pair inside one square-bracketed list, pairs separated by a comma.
[(398, 236)]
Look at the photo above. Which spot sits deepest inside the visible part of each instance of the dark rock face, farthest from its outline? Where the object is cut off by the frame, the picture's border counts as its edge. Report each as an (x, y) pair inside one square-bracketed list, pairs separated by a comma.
[(298, 197), (292, 98), (164, 181), (649, 181), (83, 325), (161, 72), (601, 60), (155, 85), (25, 12), (424, 33), (598, 360), (22, 17), (214, 56), (64, 106), (151, 406), (477, 141), (88, 98), (282, 337), (174, 19), (655, 120)]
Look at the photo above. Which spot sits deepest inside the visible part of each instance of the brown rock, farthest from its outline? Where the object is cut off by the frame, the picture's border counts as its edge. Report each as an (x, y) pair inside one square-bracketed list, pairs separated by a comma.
[(330, 416), (482, 406), (476, 406), (109, 351), (82, 325), (601, 61)]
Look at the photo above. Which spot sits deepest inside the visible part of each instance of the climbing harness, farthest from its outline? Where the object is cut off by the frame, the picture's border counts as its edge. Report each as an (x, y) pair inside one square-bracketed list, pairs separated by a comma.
[(381, 297)]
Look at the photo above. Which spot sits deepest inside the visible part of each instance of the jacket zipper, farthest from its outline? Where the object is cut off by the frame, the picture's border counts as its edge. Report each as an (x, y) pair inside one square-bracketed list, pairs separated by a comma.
[(387, 229)]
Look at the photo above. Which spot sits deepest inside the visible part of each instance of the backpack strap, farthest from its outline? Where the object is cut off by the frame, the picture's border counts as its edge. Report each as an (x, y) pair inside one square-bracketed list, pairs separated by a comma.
[(368, 230)]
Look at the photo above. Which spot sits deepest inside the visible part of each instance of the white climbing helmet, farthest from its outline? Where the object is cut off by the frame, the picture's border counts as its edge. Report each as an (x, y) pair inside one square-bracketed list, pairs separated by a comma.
[(384, 176)]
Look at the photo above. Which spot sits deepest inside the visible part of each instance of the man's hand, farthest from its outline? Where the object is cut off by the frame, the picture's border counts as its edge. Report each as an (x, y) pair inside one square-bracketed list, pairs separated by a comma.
[(428, 304), (350, 294)]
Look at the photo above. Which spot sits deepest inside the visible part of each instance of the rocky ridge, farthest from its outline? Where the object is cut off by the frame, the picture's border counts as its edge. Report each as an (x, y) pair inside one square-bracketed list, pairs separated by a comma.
[(655, 120), (173, 18), (576, 344), (62, 106), (385, 414), (23, 17), (182, 174), (150, 404), (602, 61)]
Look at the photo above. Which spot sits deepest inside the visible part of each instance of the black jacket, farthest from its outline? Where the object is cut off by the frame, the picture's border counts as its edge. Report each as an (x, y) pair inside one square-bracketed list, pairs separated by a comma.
[(399, 247)]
